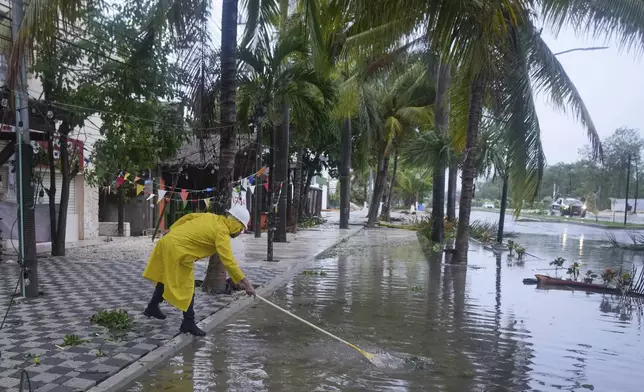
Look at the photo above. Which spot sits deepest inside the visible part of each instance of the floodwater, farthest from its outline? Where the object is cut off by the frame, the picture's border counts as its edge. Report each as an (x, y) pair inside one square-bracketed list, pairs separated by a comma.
[(442, 327)]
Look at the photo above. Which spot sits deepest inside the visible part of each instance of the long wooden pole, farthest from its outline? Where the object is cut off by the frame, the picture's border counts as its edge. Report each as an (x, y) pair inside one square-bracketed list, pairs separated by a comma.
[(165, 204)]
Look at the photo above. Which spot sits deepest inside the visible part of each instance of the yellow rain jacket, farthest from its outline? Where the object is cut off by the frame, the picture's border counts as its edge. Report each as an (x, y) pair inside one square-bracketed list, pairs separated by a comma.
[(191, 238)]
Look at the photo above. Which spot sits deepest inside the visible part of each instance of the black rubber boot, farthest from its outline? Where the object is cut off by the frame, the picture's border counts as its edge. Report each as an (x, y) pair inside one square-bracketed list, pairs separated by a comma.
[(189, 326), (153, 310)]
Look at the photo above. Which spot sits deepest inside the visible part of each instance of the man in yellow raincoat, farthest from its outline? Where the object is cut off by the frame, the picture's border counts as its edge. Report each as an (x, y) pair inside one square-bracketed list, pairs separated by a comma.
[(191, 238)]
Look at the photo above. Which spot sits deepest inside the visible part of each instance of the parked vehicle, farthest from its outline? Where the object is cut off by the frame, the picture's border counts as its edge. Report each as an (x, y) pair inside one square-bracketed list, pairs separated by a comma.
[(488, 205), (567, 206)]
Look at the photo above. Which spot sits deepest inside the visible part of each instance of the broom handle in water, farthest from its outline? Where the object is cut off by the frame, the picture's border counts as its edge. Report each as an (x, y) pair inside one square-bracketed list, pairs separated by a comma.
[(353, 346)]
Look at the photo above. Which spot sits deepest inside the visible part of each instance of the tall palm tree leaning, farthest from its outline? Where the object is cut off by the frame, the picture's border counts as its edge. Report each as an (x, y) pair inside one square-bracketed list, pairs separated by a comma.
[(521, 54)]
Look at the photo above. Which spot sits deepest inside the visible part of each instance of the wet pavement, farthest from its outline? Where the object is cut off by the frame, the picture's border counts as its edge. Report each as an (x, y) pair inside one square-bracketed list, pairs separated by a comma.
[(453, 328)]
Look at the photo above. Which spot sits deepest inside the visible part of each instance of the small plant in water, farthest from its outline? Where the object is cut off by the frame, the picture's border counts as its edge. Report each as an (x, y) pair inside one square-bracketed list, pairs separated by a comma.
[(100, 353), (520, 251), (573, 271), (314, 273), (608, 276), (36, 360), (72, 341), (590, 276), (558, 263), (624, 282), (511, 246), (437, 248), (416, 289)]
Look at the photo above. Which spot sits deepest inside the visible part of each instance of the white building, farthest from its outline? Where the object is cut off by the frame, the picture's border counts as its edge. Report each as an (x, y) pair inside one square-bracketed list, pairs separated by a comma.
[(82, 215)]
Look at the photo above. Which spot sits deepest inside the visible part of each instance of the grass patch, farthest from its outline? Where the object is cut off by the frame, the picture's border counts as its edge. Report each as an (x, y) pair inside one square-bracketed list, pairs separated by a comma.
[(310, 221), (116, 321), (72, 341)]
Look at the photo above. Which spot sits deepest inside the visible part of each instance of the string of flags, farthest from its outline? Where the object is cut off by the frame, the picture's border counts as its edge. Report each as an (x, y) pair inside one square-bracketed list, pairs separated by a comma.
[(168, 192)]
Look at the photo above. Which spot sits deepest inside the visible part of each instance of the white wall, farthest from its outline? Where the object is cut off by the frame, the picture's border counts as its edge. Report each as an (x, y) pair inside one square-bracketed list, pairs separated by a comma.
[(83, 223)]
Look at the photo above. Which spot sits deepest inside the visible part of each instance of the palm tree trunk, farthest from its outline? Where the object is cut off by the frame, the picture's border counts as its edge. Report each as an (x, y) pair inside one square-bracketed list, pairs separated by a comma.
[(504, 204), (376, 198), (280, 178), (386, 208), (297, 191), (469, 170), (441, 120), (215, 280), (451, 191)]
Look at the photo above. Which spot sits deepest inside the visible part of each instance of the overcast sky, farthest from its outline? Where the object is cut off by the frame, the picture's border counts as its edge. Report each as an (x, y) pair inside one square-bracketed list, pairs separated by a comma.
[(611, 84)]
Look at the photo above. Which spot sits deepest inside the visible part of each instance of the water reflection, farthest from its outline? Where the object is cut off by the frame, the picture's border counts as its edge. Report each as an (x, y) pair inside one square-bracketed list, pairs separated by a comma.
[(482, 329)]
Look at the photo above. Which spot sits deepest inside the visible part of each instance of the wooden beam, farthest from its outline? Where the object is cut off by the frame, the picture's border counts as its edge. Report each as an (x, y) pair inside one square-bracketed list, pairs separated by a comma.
[(34, 135)]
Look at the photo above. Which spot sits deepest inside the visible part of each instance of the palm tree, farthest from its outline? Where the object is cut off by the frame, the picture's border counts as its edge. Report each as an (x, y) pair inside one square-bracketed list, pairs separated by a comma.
[(399, 100)]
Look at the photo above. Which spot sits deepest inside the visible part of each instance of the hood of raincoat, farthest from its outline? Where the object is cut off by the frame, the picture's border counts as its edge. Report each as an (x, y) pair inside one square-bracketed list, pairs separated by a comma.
[(233, 224)]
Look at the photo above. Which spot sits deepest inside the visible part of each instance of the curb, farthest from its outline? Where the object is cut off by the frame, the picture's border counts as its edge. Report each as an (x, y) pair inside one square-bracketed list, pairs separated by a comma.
[(155, 357)]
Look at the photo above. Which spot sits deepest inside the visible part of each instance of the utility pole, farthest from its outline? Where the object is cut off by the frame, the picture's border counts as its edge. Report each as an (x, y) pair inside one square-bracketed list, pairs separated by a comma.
[(345, 172), (26, 215), (628, 180), (637, 185)]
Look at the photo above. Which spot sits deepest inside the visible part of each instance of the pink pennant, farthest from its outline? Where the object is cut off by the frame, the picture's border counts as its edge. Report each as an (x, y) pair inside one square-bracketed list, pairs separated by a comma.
[(184, 196), (266, 186), (119, 181)]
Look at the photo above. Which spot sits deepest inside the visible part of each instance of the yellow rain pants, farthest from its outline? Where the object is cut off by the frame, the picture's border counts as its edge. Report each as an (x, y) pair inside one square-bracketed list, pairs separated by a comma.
[(191, 238)]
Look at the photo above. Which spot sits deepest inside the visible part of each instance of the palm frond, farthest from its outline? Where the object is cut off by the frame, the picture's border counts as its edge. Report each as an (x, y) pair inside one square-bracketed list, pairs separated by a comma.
[(426, 149), (260, 14), (525, 157), (40, 23), (622, 20), (550, 76), (417, 116)]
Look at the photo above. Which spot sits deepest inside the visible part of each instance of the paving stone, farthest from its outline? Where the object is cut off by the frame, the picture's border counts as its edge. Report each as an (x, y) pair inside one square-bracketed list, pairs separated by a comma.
[(46, 377), (79, 383), (76, 288)]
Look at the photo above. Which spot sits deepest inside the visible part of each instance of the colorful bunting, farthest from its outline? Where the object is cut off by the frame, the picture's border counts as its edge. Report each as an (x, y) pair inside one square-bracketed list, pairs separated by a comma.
[(119, 181), (151, 196), (266, 186), (207, 202), (252, 189), (137, 178), (162, 193), (139, 188), (184, 197)]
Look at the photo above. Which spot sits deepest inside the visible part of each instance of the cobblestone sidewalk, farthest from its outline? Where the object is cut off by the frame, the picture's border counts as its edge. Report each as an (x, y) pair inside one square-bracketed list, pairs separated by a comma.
[(76, 288)]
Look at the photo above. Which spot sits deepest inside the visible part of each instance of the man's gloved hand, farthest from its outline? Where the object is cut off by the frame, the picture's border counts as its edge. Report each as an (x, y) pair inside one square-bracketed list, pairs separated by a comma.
[(248, 286)]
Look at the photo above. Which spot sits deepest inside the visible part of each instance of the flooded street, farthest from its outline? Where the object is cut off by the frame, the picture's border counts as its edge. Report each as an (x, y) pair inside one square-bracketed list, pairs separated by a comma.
[(443, 328)]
